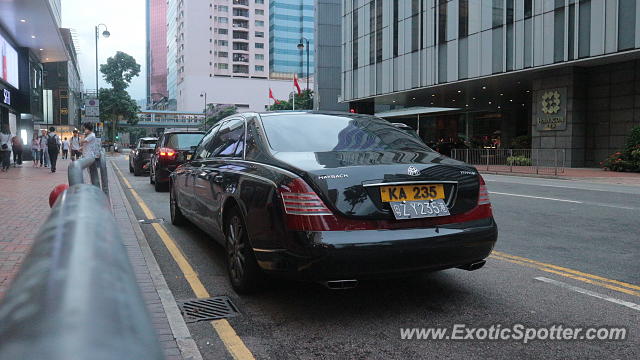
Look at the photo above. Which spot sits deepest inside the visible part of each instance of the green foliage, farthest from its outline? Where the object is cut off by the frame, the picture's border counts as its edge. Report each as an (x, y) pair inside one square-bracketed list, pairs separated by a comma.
[(119, 70), (518, 161), (627, 159), (304, 101), (116, 103), (521, 142), (218, 113)]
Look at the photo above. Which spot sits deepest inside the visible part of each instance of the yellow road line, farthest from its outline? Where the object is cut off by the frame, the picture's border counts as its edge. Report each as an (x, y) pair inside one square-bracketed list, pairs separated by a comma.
[(227, 334), (595, 277), (579, 278)]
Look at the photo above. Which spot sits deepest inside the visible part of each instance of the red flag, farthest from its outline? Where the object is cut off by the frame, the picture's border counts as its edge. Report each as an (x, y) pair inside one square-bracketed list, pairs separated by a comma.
[(272, 97), (295, 83)]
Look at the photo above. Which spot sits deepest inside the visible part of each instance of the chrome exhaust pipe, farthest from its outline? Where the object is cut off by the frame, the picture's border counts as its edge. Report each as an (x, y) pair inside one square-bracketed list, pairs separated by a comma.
[(341, 284), (473, 266)]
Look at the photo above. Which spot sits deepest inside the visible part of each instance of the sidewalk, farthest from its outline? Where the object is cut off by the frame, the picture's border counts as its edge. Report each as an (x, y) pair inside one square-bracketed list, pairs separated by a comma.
[(578, 174), (24, 207)]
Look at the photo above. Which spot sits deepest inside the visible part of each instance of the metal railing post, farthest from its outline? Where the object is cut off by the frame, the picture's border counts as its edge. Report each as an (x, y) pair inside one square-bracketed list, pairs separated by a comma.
[(537, 160), (511, 162), (487, 159), (555, 168), (467, 155)]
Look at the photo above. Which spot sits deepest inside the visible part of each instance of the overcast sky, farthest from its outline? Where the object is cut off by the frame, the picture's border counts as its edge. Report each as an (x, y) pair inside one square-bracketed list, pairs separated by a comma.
[(125, 20)]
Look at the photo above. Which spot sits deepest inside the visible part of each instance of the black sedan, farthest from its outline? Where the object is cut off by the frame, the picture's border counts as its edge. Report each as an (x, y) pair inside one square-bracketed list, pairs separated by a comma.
[(331, 197), (140, 155)]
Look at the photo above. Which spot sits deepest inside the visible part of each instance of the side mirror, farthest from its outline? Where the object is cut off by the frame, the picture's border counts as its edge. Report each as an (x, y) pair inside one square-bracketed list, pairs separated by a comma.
[(193, 148)]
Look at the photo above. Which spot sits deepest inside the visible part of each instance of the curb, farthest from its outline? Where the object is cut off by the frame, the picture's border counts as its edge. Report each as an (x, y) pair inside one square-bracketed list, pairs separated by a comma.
[(186, 344)]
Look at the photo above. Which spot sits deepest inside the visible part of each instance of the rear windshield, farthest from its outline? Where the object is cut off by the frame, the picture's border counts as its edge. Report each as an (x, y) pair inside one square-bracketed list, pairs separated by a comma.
[(319, 133), (183, 141), (148, 144)]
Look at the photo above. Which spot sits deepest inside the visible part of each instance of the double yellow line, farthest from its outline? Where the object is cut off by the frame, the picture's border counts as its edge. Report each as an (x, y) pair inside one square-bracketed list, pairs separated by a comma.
[(615, 285), (230, 339)]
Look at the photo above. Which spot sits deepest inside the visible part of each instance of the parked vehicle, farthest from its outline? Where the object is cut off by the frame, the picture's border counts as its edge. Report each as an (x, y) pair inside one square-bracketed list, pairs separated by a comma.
[(140, 156), (171, 150), (331, 197)]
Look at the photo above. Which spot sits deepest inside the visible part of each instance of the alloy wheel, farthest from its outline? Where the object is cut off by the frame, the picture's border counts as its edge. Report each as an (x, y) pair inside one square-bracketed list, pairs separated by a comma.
[(235, 249)]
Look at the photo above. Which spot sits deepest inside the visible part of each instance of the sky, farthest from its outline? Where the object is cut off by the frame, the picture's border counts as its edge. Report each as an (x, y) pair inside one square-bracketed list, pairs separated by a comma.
[(125, 20)]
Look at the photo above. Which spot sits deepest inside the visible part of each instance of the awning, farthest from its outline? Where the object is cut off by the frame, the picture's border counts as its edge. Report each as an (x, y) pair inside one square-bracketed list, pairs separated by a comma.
[(413, 111)]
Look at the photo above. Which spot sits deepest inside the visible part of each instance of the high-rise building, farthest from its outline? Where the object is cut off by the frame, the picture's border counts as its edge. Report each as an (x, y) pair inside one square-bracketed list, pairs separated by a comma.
[(291, 22), (561, 73), (156, 52), (328, 41), (219, 51)]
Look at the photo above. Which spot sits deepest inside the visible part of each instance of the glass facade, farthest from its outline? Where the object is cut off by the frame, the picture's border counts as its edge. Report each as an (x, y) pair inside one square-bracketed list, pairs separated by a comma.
[(394, 45), (289, 22), (156, 50), (172, 52)]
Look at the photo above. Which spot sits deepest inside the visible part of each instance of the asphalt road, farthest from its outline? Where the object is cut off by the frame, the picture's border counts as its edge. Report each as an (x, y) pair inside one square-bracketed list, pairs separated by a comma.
[(567, 254)]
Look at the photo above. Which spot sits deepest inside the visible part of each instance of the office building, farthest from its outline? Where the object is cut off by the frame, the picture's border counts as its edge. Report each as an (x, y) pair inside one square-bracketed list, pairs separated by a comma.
[(218, 53), (156, 11), (291, 22), (564, 73)]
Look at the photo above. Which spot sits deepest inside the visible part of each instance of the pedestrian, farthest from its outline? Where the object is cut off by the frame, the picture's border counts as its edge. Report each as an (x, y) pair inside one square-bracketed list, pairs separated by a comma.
[(91, 148), (53, 147), (35, 148), (65, 148), (5, 147), (44, 154), (16, 145), (75, 146)]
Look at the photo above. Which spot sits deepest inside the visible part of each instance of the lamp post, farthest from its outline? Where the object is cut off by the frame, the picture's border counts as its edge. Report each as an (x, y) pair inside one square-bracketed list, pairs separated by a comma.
[(301, 46), (105, 34), (204, 94)]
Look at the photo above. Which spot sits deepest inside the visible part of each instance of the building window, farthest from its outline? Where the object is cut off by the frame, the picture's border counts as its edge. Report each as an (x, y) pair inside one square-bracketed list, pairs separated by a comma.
[(584, 29), (626, 24), (442, 21), (571, 34), (498, 13), (259, 23), (528, 5), (463, 19), (354, 39), (223, 66), (240, 46), (378, 31), (416, 26), (241, 69), (395, 24), (259, 45), (259, 34), (223, 54), (222, 20), (558, 35), (222, 31), (372, 33), (222, 42), (259, 56), (259, 1), (259, 12), (223, 8), (259, 68)]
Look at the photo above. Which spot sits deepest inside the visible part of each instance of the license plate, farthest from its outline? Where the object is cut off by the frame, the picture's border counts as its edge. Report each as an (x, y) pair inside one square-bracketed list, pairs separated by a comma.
[(188, 157), (412, 192), (419, 209)]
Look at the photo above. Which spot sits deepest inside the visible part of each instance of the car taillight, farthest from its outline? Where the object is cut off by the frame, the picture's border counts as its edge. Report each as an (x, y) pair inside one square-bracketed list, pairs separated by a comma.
[(483, 194), (166, 152)]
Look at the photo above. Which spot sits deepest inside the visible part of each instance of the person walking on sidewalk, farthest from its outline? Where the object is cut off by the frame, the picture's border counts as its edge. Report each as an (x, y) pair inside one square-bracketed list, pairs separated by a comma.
[(75, 146), (5, 147), (44, 154), (53, 147), (91, 147), (16, 144), (65, 148), (35, 149)]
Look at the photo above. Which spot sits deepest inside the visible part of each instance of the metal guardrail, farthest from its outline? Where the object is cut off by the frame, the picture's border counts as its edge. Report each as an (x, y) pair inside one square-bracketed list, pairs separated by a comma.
[(525, 161), (76, 295), (98, 178)]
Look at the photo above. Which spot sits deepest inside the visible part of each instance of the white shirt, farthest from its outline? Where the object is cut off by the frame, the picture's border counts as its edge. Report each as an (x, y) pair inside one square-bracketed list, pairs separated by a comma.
[(75, 143), (5, 139), (65, 145), (91, 146)]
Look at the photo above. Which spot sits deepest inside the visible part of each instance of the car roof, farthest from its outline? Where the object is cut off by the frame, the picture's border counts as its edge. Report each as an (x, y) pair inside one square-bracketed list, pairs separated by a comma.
[(174, 131), (149, 138)]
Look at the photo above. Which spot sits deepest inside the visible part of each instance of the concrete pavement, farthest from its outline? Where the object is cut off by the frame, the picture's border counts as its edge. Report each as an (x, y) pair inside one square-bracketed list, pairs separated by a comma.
[(565, 255)]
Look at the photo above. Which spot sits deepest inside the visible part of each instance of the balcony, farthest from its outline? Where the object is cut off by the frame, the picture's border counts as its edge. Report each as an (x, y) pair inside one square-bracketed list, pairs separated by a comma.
[(241, 2), (241, 69), (242, 35), (241, 58), (240, 46), (240, 24), (241, 12)]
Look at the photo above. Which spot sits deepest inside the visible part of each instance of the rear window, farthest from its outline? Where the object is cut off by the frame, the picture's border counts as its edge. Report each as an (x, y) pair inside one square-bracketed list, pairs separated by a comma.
[(183, 141), (319, 133), (148, 144)]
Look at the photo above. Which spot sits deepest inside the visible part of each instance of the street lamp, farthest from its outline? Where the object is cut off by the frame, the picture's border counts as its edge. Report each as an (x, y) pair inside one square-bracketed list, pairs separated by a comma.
[(204, 94), (300, 47), (105, 34)]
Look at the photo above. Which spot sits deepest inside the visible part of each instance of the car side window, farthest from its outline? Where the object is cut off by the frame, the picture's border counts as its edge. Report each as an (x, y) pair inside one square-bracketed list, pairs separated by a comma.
[(204, 148), (228, 139)]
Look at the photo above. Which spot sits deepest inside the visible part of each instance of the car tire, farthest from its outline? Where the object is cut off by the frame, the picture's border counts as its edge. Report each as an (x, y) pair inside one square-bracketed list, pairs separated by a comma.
[(130, 168), (243, 270), (152, 179), (160, 186), (137, 171), (177, 218)]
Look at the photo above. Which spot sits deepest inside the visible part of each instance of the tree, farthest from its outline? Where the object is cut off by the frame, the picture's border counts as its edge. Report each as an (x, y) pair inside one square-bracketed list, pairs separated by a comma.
[(218, 113), (116, 103), (304, 101)]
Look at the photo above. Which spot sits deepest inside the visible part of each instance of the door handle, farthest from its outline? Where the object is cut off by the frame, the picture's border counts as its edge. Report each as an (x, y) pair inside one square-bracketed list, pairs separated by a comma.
[(218, 179)]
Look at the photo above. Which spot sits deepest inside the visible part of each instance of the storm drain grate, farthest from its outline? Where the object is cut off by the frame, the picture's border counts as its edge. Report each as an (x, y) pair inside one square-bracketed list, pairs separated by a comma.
[(151, 221), (219, 307)]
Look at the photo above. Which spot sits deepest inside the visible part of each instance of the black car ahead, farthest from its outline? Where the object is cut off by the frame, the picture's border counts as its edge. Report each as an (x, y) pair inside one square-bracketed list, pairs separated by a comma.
[(331, 197), (140, 156), (172, 150)]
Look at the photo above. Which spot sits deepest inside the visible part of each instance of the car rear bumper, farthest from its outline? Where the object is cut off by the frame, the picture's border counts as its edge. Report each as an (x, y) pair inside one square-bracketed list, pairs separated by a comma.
[(336, 255)]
